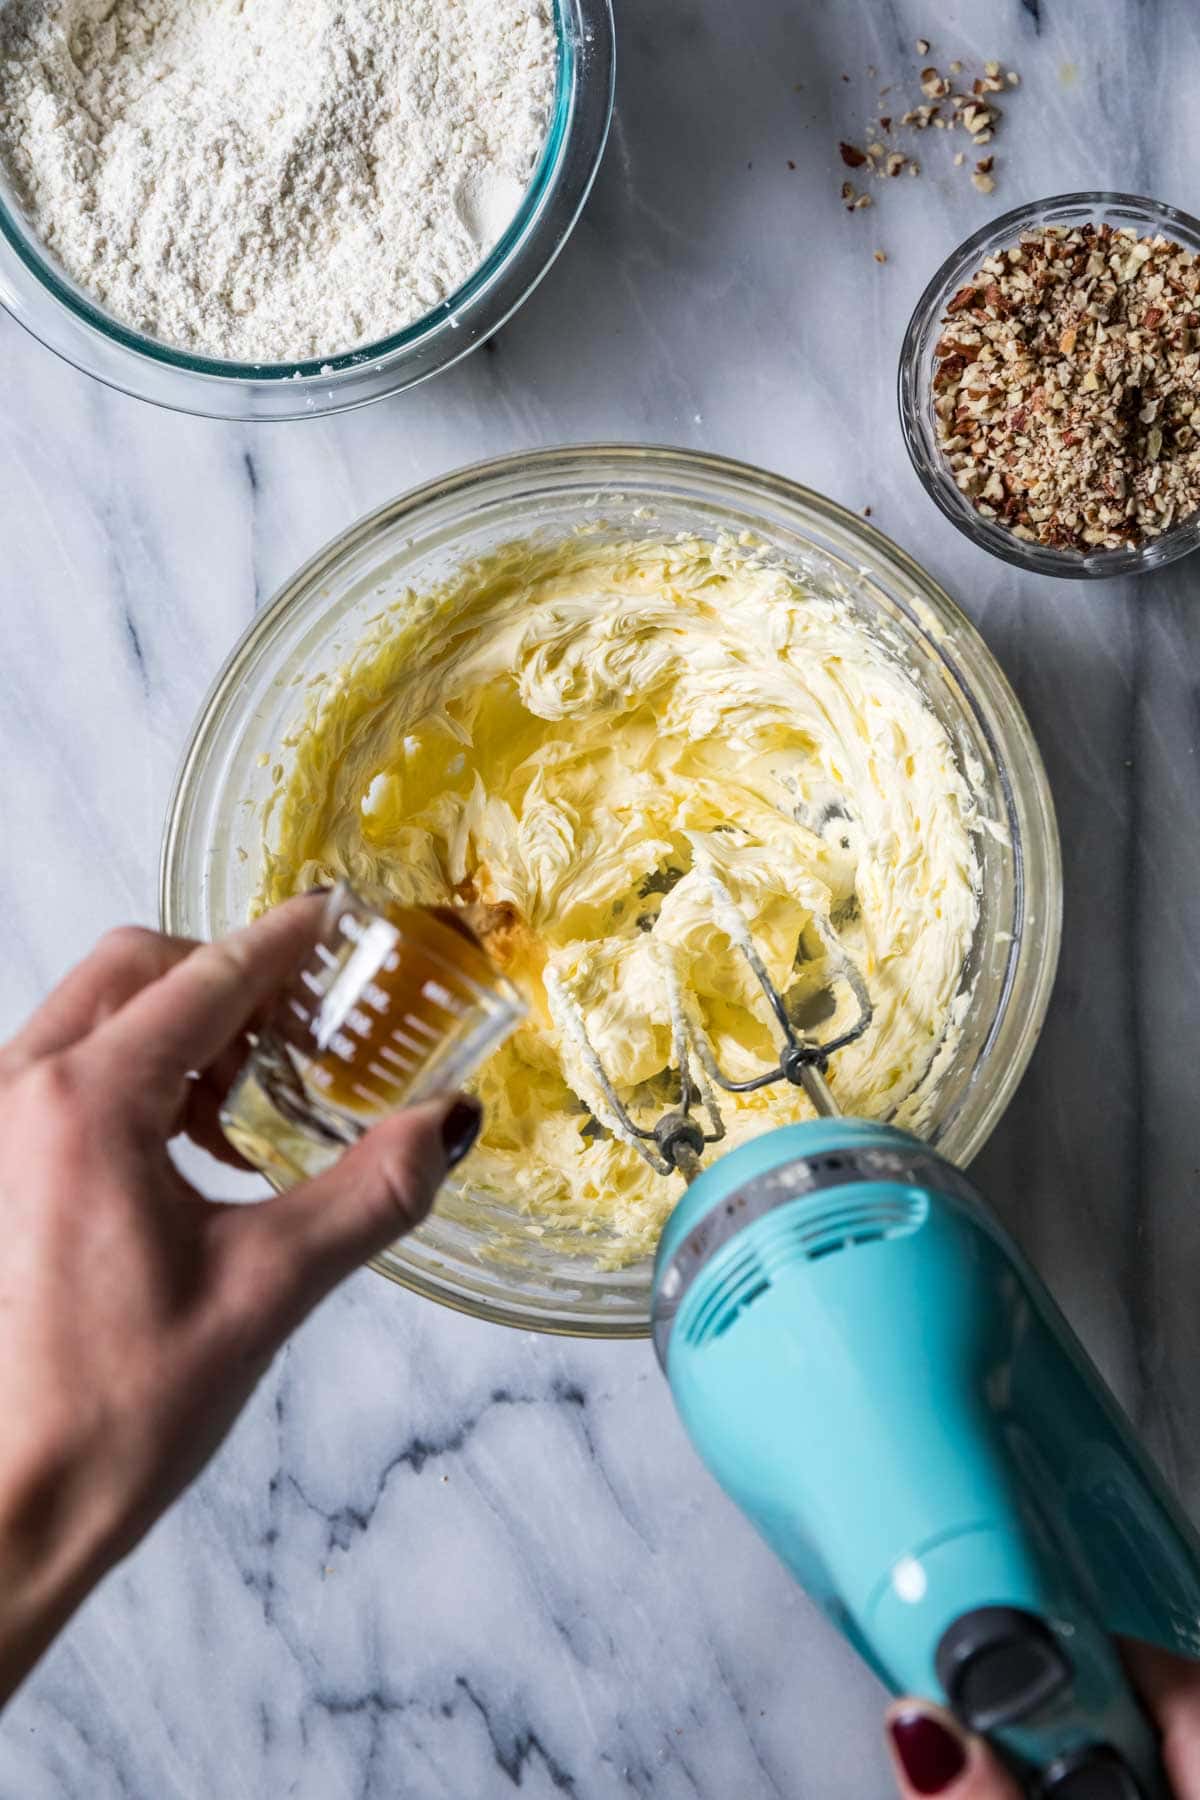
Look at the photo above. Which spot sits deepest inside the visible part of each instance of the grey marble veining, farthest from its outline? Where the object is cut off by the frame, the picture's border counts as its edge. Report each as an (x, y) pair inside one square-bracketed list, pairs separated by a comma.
[(437, 1559)]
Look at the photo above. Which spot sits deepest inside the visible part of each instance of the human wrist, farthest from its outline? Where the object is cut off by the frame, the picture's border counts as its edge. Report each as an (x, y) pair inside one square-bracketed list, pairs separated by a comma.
[(59, 1534)]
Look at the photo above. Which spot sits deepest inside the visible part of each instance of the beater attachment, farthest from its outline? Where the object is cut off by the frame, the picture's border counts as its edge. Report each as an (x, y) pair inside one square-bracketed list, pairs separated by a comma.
[(676, 1141)]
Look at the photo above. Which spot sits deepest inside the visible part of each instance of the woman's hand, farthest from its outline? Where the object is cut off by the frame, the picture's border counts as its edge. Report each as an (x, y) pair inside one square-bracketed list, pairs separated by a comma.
[(932, 1754), (136, 1316)]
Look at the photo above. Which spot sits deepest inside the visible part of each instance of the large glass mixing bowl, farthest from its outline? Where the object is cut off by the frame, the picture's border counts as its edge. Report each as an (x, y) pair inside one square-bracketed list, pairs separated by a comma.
[(57, 311), (475, 1253)]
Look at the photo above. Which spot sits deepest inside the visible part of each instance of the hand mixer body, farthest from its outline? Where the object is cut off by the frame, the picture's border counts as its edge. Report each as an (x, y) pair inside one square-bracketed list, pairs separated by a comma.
[(872, 1371)]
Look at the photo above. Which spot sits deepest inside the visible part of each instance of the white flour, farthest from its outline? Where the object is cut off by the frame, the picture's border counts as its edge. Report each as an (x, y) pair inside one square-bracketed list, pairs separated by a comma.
[(272, 179)]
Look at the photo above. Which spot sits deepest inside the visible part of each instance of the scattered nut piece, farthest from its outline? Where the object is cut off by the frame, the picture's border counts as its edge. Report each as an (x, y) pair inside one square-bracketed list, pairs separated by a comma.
[(881, 256), (945, 111), (863, 200)]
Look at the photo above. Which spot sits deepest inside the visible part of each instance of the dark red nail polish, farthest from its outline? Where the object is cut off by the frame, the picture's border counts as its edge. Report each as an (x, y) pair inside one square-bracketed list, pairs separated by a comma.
[(460, 1128), (932, 1757)]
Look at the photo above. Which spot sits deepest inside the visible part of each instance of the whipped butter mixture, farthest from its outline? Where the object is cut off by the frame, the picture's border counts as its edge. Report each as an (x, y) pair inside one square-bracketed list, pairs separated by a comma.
[(576, 735)]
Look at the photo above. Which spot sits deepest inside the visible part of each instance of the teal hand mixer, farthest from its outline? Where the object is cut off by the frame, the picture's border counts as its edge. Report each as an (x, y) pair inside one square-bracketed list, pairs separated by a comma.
[(877, 1377)]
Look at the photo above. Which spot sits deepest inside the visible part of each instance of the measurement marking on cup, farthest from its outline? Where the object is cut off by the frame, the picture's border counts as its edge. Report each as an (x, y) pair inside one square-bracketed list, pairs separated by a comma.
[(326, 955), (381, 1074), (401, 1062), (422, 1026), (442, 997), (402, 1037), (300, 1011), (312, 982), (364, 1093)]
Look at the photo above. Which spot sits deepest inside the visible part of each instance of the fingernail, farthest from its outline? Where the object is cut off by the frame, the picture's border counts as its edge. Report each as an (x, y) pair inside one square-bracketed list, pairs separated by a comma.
[(460, 1128), (931, 1756)]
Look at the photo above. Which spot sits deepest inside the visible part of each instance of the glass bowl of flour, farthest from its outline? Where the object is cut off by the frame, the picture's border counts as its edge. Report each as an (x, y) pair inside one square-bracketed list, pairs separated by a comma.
[(269, 212), (543, 534)]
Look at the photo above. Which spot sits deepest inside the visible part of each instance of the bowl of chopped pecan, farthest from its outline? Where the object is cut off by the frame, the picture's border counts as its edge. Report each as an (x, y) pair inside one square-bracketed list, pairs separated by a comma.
[(1050, 385)]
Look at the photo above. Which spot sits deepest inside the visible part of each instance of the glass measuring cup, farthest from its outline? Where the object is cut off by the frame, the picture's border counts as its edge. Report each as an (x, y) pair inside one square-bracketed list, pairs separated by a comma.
[(395, 1004)]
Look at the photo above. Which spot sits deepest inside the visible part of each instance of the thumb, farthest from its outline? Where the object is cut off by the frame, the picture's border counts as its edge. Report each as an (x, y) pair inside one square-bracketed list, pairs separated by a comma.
[(378, 1191), (931, 1754)]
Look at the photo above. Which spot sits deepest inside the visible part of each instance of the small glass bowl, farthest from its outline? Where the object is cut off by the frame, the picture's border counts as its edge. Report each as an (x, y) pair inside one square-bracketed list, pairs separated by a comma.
[(1149, 218), (474, 1252), (42, 298)]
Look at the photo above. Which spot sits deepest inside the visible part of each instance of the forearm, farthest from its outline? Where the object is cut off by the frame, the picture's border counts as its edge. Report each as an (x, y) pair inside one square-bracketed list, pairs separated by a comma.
[(29, 1622)]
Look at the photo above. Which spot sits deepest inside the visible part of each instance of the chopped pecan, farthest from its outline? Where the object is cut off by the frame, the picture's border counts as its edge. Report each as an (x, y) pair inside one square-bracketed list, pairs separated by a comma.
[(1071, 413)]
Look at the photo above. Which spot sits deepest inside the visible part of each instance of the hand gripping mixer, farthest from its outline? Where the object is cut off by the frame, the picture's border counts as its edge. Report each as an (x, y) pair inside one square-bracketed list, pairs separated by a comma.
[(873, 1372)]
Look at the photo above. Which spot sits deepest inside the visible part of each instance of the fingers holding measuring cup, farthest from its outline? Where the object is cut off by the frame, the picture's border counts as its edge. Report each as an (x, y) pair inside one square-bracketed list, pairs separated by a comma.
[(135, 1314)]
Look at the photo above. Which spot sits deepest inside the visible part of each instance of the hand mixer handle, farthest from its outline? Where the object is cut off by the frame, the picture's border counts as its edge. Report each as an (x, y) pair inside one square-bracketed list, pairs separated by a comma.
[(1042, 1680), (873, 1372), (1011, 1611)]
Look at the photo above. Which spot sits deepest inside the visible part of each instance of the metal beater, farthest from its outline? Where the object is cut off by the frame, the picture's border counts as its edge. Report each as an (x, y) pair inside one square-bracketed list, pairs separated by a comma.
[(677, 1140)]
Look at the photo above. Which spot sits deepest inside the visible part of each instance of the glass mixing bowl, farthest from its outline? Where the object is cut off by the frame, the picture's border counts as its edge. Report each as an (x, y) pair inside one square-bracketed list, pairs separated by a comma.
[(1148, 218), (62, 316), (474, 1254)]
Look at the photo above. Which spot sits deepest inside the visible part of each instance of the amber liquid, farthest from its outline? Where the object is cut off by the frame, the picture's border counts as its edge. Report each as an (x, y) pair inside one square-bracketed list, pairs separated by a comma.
[(383, 1014), (366, 1053)]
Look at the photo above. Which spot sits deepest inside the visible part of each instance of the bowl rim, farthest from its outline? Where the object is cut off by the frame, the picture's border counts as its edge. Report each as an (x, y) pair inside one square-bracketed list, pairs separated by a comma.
[(63, 317), (987, 691), (912, 399)]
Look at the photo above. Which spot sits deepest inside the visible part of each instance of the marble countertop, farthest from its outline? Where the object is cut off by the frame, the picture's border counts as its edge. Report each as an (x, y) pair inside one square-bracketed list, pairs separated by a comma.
[(440, 1559)]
